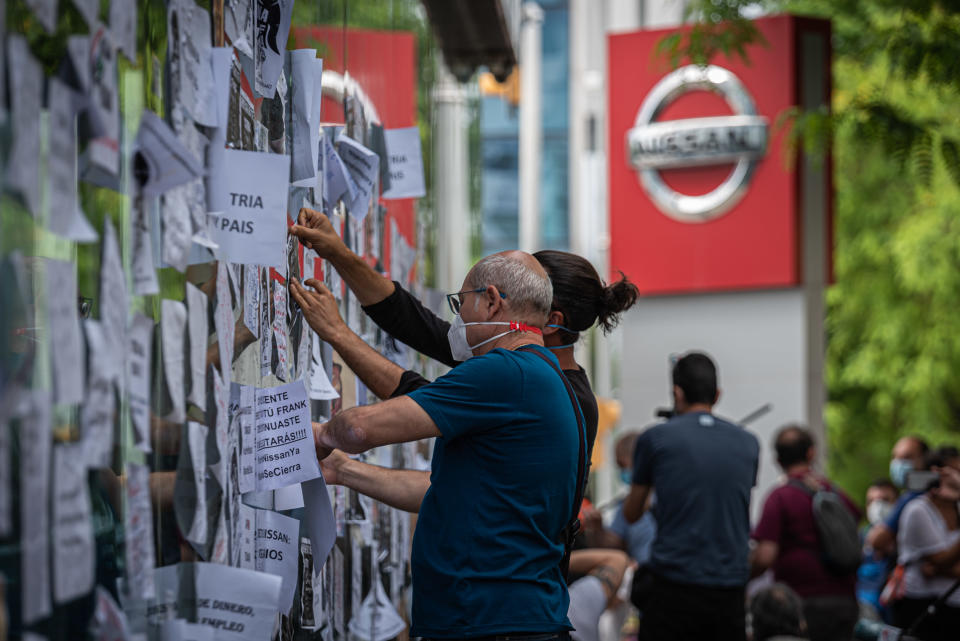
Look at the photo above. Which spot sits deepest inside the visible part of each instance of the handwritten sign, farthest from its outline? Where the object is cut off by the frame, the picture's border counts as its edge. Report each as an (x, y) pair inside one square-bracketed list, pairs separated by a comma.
[(240, 604), (285, 451), (253, 189), (277, 542)]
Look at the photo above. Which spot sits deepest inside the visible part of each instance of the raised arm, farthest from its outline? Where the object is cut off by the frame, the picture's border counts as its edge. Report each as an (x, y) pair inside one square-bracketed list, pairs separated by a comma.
[(359, 429), (380, 375), (400, 489), (390, 306), (315, 231)]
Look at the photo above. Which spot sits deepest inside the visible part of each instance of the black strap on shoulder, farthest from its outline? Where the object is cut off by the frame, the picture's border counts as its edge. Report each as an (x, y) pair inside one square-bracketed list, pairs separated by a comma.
[(573, 525), (800, 485)]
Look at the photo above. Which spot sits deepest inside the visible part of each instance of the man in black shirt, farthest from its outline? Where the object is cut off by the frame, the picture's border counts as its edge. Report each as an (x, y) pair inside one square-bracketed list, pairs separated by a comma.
[(580, 300)]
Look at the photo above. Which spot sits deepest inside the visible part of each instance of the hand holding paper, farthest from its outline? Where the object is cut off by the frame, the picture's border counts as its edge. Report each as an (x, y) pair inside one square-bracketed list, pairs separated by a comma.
[(315, 232), (319, 309)]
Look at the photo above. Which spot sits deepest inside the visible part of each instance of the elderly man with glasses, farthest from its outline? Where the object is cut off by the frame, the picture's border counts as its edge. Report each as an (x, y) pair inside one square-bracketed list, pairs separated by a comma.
[(496, 509)]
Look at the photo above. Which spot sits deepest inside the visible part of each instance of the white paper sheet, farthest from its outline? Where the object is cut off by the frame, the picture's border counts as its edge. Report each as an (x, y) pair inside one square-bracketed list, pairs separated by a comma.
[(66, 218), (280, 330), (173, 327), (221, 400), (168, 162), (364, 167), (320, 387), (243, 400), (145, 281), (402, 255), (321, 524), (288, 498), (277, 545), (89, 9), (310, 589), (240, 604), (26, 92), (138, 378), (195, 73), (198, 324), (66, 343), (138, 532), (247, 526), (36, 441), (285, 448), (376, 619), (405, 163), (253, 189), (266, 335), (99, 407), (114, 304), (95, 60), (223, 322), (181, 630), (304, 131), (238, 24), (46, 13), (221, 60), (336, 183), (109, 623), (270, 41), (221, 540), (178, 225), (251, 298), (73, 543), (197, 442), (123, 26)]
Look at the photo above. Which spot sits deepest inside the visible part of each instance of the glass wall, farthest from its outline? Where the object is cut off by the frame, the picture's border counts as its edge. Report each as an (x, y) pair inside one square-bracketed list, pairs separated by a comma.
[(156, 377)]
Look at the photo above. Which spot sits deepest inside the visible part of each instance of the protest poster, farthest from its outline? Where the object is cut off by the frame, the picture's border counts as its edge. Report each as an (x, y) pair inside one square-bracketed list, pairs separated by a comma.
[(285, 451)]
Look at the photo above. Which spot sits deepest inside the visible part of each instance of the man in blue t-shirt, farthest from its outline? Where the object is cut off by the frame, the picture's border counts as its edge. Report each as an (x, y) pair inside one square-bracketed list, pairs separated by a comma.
[(703, 469), (488, 543)]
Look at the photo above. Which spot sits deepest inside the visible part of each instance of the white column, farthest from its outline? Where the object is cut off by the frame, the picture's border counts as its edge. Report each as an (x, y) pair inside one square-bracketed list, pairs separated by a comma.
[(531, 126), (450, 183)]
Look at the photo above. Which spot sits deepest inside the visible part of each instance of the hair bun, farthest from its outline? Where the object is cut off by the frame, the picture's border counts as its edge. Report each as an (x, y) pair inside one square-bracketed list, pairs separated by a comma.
[(617, 298)]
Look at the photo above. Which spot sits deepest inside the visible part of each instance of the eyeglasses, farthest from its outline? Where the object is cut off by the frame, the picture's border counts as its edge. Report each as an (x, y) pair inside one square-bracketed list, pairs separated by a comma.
[(455, 300)]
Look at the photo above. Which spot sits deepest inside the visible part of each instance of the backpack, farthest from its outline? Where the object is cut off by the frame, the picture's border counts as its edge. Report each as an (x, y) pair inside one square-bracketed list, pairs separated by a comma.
[(836, 530)]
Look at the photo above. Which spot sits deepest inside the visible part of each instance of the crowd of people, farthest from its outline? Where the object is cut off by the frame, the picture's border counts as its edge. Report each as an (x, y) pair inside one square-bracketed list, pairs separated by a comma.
[(499, 551)]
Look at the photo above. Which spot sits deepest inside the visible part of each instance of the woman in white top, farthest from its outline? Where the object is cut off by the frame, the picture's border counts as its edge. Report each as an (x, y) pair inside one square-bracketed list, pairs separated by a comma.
[(929, 530)]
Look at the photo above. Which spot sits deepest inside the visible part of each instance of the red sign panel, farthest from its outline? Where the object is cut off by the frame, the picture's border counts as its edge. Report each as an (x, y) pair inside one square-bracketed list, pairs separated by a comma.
[(755, 241), (383, 64)]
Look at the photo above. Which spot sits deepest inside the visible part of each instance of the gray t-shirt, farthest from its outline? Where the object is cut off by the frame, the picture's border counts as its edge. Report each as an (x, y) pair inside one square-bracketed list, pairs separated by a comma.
[(703, 469)]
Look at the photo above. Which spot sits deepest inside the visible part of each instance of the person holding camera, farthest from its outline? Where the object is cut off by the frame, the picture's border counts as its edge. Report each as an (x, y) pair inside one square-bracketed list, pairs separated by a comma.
[(928, 540)]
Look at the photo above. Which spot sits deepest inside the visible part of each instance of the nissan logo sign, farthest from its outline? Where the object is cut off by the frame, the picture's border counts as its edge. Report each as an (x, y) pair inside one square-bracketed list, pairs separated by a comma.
[(740, 139)]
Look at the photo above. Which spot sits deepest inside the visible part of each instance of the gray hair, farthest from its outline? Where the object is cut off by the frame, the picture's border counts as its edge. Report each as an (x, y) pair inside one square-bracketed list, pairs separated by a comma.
[(527, 291)]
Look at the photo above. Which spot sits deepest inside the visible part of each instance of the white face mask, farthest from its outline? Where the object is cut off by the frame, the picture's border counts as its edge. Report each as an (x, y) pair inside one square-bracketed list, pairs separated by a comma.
[(457, 336), (878, 511)]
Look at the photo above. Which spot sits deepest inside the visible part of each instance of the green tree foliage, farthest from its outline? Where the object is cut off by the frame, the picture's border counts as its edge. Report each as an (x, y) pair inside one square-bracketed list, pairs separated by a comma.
[(893, 355)]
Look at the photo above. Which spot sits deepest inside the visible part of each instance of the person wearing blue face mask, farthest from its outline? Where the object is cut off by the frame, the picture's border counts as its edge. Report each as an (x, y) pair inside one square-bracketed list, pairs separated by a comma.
[(907, 456)]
